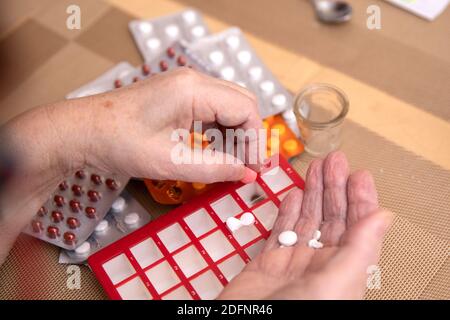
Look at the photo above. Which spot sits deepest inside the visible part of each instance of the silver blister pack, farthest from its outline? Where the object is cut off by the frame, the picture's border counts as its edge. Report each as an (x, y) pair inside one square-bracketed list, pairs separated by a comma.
[(124, 74), (72, 212), (154, 35), (125, 216), (229, 55)]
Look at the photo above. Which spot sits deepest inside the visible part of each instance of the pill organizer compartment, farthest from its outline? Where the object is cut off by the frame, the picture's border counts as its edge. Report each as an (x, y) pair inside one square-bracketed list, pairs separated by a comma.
[(134, 290), (231, 267), (190, 261), (207, 285), (118, 268), (276, 179), (217, 245), (179, 293), (285, 193), (246, 234), (226, 207), (254, 249), (146, 253), (173, 237), (266, 214), (251, 194), (200, 222), (162, 277)]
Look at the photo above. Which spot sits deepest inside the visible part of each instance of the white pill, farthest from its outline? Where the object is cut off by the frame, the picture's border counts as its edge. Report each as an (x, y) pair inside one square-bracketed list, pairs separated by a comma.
[(247, 218), (216, 57), (287, 238), (145, 27), (119, 204), (198, 31), (101, 226), (233, 42), (244, 57), (227, 73), (255, 73), (153, 43), (267, 86), (189, 16), (279, 100), (172, 31), (317, 234), (83, 249), (313, 243), (233, 224), (131, 219)]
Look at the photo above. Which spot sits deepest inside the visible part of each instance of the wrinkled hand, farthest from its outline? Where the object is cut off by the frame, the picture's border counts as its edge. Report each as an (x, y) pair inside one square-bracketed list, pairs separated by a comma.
[(345, 209)]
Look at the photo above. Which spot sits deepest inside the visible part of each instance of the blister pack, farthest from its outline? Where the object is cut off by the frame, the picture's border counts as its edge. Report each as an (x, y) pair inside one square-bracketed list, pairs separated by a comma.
[(229, 55), (190, 253), (125, 216), (153, 36), (72, 212), (124, 74), (105, 82)]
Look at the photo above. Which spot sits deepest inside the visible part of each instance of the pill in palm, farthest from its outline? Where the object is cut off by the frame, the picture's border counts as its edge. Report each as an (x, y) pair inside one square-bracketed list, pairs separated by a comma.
[(287, 238), (233, 224)]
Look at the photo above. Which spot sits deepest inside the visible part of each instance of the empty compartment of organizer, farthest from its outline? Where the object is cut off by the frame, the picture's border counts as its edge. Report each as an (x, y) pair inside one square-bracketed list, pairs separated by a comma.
[(146, 252), (276, 179), (246, 234), (251, 194), (253, 250), (118, 268), (200, 222), (179, 293), (231, 267), (207, 285), (173, 237), (134, 290), (217, 245), (284, 194), (226, 207), (162, 277), (190, 261), (266, 214)]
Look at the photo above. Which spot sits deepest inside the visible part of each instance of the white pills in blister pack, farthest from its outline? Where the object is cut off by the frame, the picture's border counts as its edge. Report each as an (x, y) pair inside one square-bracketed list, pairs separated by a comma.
[(125, 216), (153, 36), (229, 56)]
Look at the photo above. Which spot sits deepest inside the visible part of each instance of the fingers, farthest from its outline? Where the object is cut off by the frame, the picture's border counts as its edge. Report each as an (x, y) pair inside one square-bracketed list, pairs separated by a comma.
[(361, 244), (362, 196), (229, 105), (335, 175), (288, 215), (311, 212)]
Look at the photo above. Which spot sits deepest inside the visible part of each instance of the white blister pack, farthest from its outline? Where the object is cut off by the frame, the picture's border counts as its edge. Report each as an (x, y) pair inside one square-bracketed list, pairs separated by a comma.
[(153, 36), (72, 212), (105, 82), (229, 55), (125, 216)]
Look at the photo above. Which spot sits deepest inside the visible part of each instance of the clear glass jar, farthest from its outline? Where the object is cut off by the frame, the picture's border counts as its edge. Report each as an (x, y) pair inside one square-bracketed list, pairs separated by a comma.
[(320, 110)]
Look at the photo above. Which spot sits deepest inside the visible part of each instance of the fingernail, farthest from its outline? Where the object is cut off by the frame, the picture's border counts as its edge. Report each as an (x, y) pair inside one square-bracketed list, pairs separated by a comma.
[(385, 222), (250, 176)]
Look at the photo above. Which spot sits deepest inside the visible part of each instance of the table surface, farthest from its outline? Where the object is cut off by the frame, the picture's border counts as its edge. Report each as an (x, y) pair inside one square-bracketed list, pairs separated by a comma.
[(397, 80)]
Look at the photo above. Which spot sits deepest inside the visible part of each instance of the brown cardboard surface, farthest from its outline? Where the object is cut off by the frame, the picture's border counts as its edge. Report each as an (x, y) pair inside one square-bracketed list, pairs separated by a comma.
[(109, 37), (439, 287), (23, 51)]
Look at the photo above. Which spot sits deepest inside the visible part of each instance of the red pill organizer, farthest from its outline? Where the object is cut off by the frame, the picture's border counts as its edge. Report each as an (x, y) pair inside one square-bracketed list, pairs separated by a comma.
[(71, 213), (189, 253)]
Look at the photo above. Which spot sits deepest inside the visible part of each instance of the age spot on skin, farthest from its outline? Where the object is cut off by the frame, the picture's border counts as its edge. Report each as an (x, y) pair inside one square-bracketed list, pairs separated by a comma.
[(108, 104)]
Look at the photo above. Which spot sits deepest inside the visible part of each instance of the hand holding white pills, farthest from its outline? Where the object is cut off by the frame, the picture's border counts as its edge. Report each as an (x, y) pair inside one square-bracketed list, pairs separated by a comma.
[(323, 240)]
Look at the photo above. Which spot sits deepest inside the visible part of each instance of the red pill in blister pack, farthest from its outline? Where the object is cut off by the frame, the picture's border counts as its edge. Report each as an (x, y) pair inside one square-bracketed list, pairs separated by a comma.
[(70, 215)]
